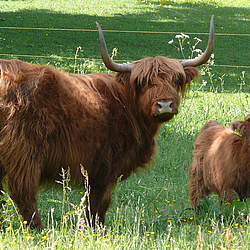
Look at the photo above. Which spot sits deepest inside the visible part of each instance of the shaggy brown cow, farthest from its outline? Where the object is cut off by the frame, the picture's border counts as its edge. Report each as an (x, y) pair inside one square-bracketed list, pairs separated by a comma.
[(221, 162), (51, 119)]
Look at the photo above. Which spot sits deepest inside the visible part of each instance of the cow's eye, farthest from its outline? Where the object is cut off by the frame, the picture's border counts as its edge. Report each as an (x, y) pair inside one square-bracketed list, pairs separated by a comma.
[(176, 82)]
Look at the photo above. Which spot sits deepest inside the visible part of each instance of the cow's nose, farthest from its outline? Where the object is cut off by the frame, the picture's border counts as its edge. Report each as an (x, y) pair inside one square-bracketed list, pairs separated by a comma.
[(165, 107)]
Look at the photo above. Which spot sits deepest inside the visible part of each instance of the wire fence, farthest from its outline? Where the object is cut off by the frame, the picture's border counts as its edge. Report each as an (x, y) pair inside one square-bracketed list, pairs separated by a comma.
[(122, 31), (114, 31)]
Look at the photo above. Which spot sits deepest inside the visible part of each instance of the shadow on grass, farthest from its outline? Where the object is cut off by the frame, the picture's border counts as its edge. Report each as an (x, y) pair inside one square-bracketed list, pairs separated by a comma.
[(152, 16)]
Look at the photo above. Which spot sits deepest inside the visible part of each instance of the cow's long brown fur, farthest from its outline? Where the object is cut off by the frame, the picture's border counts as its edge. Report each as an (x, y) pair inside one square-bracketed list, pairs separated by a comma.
[(51, 119), (221, 162)]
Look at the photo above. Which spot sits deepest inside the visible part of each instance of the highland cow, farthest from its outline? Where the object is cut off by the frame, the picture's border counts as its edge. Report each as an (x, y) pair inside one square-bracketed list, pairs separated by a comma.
[(221, 162), (51, 119)]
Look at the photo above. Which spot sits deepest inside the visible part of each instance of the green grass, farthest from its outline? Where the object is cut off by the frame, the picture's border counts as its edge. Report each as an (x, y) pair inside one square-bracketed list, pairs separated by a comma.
[(150, 210)]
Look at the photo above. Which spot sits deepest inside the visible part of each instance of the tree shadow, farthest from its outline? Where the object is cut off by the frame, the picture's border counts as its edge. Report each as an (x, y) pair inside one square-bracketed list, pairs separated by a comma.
[(152, 16)]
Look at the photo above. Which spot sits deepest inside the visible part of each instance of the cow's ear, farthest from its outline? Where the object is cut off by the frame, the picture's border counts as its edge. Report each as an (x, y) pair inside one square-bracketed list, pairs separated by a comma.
[(192, 73)]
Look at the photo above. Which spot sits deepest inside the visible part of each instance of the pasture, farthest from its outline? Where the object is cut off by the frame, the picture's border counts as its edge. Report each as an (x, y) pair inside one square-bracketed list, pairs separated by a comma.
[(150, 210)]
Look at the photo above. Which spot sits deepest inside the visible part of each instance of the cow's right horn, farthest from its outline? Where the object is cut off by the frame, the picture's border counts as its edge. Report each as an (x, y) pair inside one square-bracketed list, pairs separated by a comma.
[(117, 67)]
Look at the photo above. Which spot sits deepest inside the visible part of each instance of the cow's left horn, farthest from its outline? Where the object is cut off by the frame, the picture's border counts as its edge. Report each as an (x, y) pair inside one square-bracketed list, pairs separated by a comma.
[(206, 55), (117, 67)]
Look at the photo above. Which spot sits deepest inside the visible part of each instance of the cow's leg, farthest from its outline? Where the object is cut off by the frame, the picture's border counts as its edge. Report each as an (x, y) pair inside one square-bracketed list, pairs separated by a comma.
[(28, 209), (2, 175), (23, 190), (104, 207), (100, 198), (23, 147), (197, 188), (229, 194)]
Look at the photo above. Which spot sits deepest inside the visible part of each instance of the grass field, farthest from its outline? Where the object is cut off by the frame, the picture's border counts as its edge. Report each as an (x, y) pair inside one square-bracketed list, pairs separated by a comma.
[(150, 210)]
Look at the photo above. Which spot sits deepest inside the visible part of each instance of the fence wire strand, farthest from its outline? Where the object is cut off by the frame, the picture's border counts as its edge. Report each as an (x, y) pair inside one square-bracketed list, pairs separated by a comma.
[(113, 31), (121, 31)]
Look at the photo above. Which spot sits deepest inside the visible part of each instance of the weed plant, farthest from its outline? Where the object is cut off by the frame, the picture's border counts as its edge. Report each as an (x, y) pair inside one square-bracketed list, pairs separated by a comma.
[(150, 210)]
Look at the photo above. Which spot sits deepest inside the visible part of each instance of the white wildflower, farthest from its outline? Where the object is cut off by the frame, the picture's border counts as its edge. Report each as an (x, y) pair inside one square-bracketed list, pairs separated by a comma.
[(198, 39), (178, 36), (184, 35), (171, 41), (198, 50)]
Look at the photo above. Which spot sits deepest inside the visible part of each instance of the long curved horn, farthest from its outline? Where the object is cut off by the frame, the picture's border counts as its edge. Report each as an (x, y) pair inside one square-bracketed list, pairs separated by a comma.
[(117, 67), (206, 55)]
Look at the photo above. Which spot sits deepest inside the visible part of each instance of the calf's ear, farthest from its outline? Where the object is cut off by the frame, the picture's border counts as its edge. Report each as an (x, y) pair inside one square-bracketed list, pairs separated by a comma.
[(192, 73), (247, 118)]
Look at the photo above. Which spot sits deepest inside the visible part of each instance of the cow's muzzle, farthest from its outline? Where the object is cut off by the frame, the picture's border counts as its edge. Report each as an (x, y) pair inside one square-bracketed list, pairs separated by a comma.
[(165, 107)]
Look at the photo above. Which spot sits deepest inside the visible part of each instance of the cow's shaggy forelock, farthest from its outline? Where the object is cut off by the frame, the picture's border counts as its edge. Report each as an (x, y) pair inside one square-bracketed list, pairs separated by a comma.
[(150, 71), (51, 119)]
